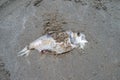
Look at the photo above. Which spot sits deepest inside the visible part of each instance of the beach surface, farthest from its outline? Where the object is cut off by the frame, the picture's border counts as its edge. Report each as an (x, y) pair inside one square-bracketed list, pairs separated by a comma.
[(23, 21)]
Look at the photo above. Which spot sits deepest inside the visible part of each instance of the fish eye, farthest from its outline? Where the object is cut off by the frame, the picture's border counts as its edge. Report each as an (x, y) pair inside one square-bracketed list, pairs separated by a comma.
[(78, 33)]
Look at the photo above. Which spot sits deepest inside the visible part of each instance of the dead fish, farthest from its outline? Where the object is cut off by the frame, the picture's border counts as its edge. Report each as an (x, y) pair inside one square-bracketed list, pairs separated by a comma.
[(47, 42)]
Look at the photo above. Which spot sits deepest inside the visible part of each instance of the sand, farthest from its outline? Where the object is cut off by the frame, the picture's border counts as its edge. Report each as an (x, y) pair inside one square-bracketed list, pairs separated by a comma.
[(23, 21)]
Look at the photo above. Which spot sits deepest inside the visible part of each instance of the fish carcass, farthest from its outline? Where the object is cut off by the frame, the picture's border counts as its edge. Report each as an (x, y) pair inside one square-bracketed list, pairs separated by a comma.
[(48, 42)]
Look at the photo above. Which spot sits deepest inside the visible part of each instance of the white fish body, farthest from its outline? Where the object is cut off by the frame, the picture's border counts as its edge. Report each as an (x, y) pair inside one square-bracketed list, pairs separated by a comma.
[(46, 42)]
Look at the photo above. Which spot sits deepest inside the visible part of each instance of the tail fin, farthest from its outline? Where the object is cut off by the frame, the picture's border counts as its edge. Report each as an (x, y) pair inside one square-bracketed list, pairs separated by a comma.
[(24, 52)]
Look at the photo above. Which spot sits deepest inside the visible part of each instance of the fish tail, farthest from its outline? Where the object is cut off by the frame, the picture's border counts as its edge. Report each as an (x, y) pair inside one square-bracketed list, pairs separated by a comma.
[(24, 52)]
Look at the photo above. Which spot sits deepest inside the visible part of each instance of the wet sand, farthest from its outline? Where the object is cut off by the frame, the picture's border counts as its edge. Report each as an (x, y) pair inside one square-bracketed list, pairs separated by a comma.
[(22, 21)]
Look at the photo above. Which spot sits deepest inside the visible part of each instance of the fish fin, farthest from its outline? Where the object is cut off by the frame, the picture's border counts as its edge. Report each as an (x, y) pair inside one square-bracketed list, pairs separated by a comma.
[(24, 52)]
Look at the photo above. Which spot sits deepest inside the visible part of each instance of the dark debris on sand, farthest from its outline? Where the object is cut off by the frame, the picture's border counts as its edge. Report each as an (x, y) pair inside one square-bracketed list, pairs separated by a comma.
[(4, 74), (53, 26)]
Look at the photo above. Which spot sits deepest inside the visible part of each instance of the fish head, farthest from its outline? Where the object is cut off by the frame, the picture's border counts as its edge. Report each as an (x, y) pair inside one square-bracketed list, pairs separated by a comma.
[(80, 40)]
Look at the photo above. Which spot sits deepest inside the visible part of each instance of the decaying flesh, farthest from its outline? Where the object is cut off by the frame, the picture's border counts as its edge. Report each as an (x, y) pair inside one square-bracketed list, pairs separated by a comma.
[(47, 42)]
